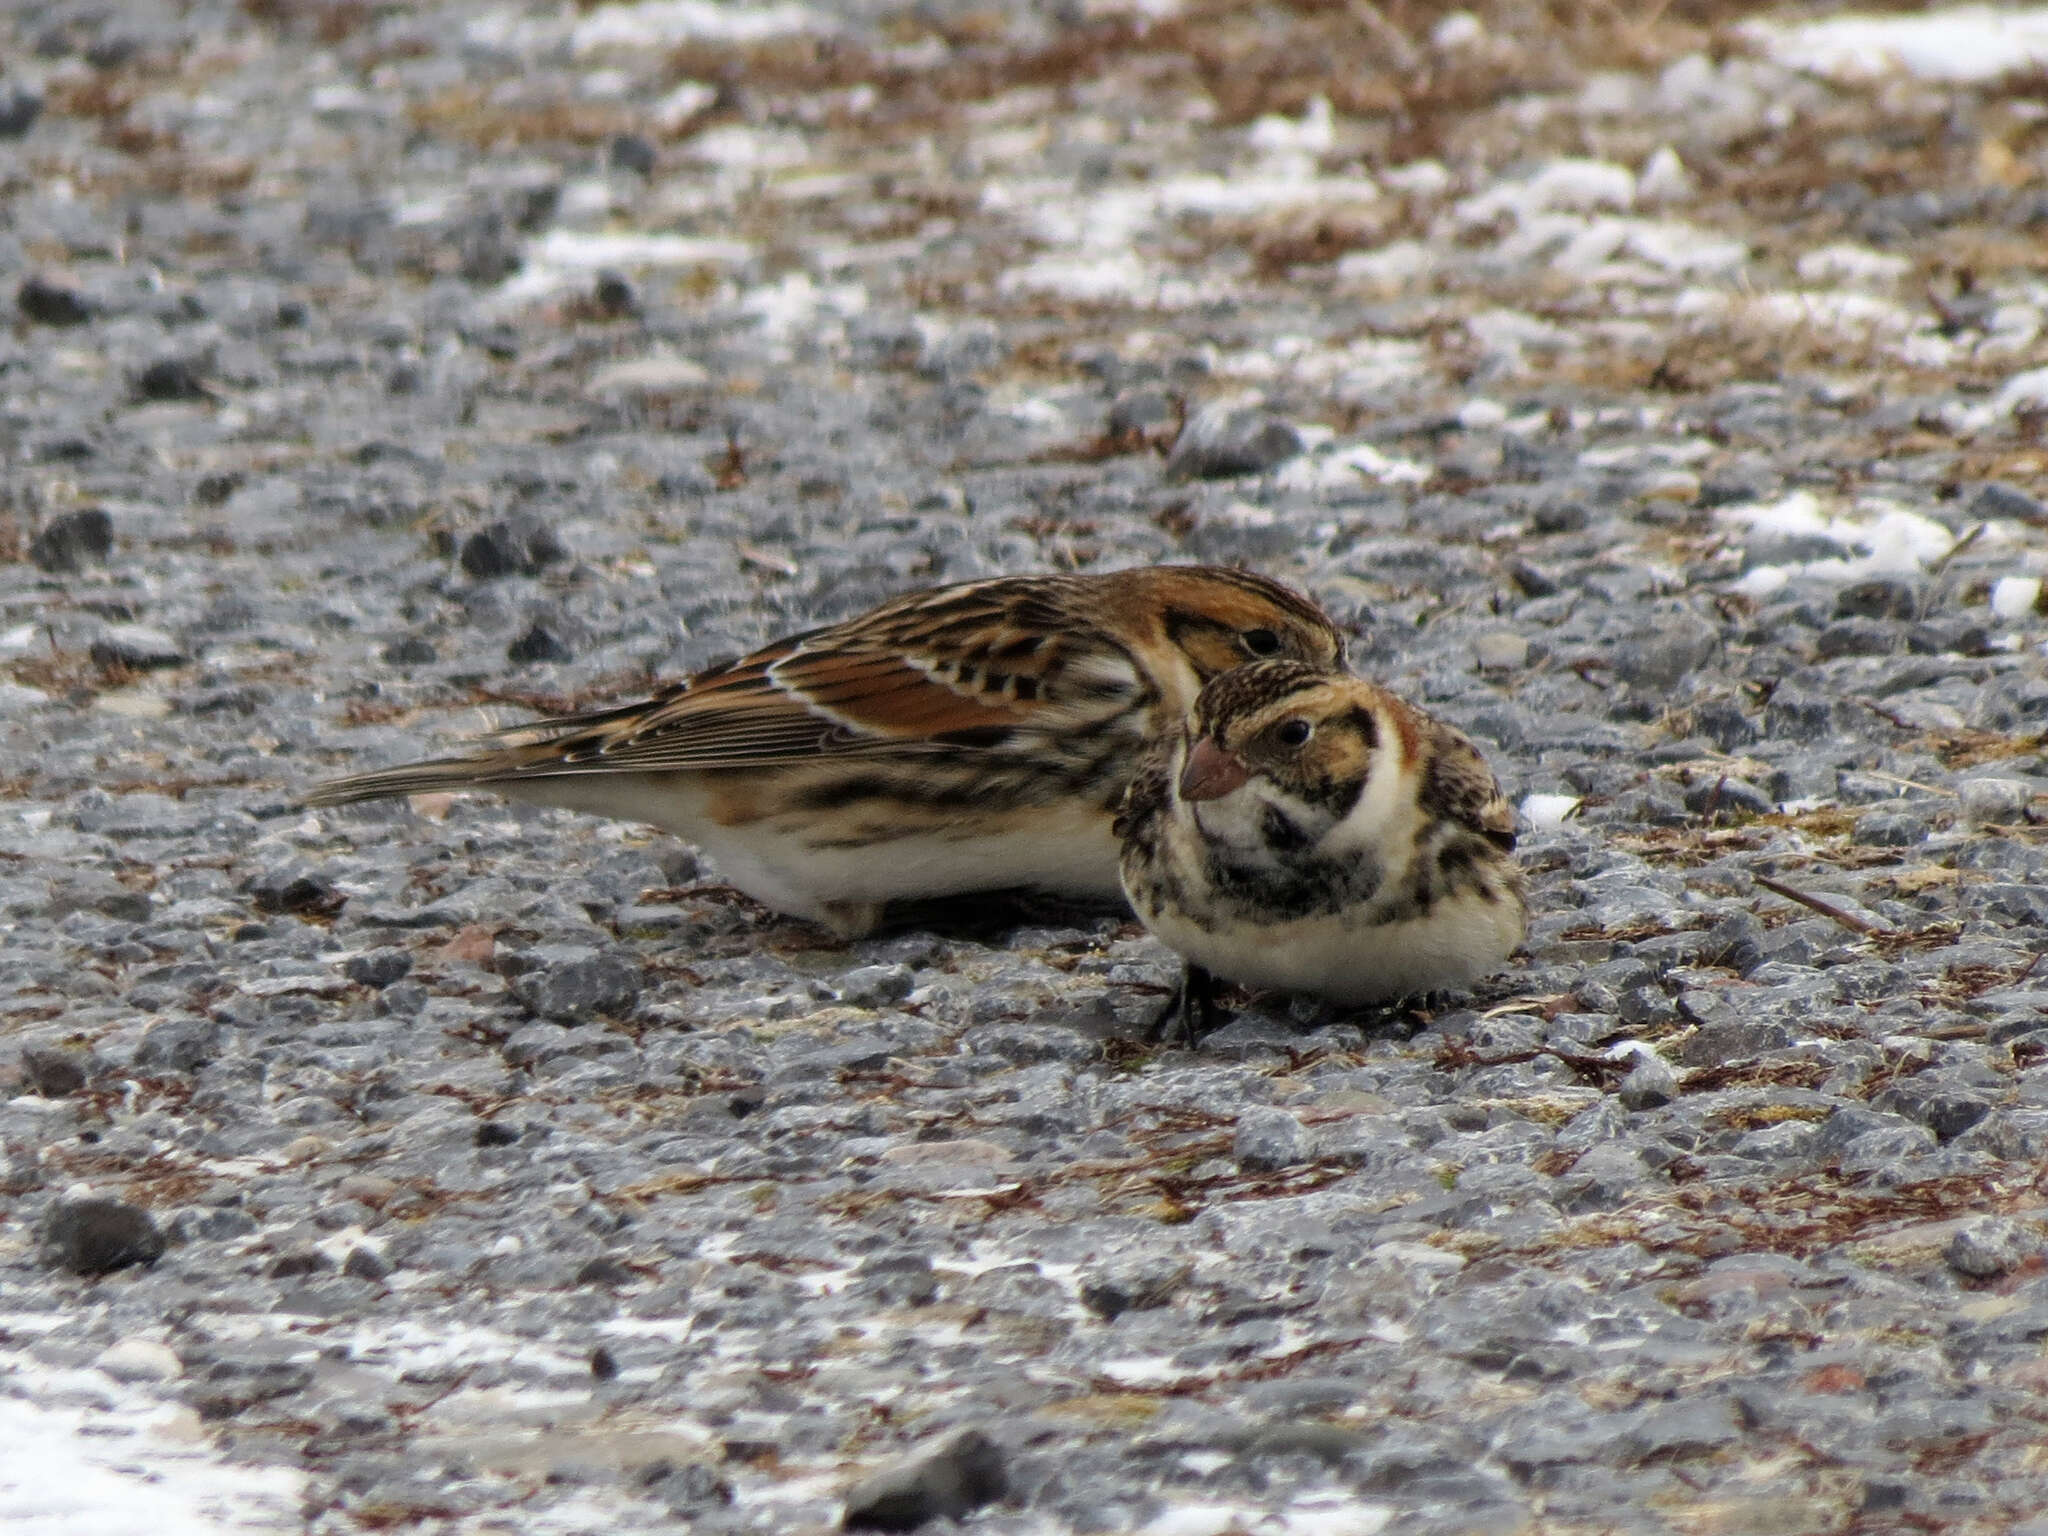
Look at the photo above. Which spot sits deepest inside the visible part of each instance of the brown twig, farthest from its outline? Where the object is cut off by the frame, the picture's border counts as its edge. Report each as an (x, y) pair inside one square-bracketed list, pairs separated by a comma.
[(1827, 909)]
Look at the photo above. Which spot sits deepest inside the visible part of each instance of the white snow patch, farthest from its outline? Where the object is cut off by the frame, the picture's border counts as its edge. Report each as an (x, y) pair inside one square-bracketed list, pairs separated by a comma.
[(1391, 266), (1418, 178), (1857, 265), (1112, 278), (681, 104), (1459, 29), (1888, 540), (1546, 813), (656, 24), (1328, 1512), (1956, 44), (1562, 186), (1314, 134), (1338, 469), (2023, 392), (2013, 598), (1664, 178), (567, 258), (125, 1464)]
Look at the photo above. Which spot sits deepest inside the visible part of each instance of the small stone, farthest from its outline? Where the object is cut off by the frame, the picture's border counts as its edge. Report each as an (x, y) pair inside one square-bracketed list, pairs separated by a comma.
[(1501, 651), (1659, 659), (520, 546), (630, 152), (875, 986), (137, 647), (1650, 1083), (1269, 1138), (1139, 413), (1993, 801), (1888, 829), (179, 1045), (1135, 1288), (51, 301), (658, 377), (171, 378), (73, 540), (1995, 500), (615, 295), (605, 1270), (371, 1189), (296, 1263), (377, 968), (604, 1365), (1724, 724), (950, 1483), (366, 1263), (97, 1236), (570, 984), (412, 651), (19, 108), (1985, 1247), (134, 1359), (1857, 637), (54, 1073), (303, 895), (538, 644), (1726, 796), (496, 1133), (1232, 437), (898, 1280), (1884, 598)]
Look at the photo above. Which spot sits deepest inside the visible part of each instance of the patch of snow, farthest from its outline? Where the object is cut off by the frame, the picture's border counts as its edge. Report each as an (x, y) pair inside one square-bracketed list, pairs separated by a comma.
[(1419, 178), (1888, 540), (660, 24), (1562, 186), (1314, 134), (2023, 392), (113, 1461), (2015, 598), (1546, 813), (1390, 266), (1459, 29), (1957, 44), (563, 259), (1339, 469), (1857, 265), (675, 109), (1664, 178)]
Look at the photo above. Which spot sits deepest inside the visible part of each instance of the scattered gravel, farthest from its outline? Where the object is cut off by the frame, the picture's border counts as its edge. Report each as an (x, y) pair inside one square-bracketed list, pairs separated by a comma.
[(383, 374)]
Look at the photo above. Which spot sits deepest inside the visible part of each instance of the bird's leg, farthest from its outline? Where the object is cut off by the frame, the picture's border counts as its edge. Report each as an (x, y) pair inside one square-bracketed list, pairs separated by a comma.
[(1192, 1012)]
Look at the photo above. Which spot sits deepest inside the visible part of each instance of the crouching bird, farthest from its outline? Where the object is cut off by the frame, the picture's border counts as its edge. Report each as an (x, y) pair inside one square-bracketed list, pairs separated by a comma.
[(974, 737), (1312, 832)]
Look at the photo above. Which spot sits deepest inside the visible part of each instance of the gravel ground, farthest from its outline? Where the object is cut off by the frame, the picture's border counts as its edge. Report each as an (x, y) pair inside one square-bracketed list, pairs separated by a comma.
[(1663, 415)]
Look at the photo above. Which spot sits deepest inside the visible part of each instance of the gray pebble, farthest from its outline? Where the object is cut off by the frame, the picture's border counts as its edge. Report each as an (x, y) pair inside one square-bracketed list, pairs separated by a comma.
[(96, 1236), (949, 1483)]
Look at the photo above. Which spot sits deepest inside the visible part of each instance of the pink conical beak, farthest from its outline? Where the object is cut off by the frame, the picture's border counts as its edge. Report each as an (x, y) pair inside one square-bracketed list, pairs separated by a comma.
[(1211, 772)]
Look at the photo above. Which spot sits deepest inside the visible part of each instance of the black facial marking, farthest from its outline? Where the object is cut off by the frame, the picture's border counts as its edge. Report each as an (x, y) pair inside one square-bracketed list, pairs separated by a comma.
[(1280, 832)]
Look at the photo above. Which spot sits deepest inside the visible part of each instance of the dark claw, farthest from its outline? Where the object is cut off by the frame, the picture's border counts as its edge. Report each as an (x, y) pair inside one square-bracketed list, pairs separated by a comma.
[(1192, 1012)]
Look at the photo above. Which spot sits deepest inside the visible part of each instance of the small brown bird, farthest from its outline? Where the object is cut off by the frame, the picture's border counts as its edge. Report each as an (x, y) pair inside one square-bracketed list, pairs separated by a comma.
[(975, 737), (1312, 832)]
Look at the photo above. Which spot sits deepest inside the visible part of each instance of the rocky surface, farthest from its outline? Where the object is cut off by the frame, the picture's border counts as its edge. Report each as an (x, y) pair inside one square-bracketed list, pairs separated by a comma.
[(1666, 415)]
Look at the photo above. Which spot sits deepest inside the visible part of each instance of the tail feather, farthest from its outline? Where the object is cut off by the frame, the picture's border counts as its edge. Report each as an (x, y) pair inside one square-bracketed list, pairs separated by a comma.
[(435, 775)]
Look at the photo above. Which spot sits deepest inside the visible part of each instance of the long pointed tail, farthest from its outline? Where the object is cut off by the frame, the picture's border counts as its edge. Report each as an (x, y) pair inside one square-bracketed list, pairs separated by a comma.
[(436, 774)]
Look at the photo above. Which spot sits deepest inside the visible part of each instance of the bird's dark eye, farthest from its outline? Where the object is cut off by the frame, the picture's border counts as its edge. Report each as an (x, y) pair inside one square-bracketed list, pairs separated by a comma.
[(1293, 733), (1261, 642)]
